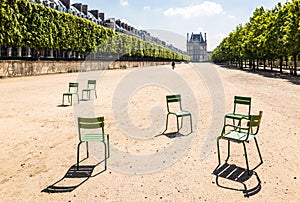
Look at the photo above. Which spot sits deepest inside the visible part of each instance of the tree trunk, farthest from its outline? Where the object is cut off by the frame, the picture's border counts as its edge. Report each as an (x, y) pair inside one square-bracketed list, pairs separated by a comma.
[(242, 63), (280, 64), (250, 64), (9, 51), (19, 52), (241, 66), (295, 64), (271, 65), (50, 53), (28, 52)]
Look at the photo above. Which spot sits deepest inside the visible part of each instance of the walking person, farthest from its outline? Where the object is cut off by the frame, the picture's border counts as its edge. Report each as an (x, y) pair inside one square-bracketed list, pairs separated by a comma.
[(173, 65)]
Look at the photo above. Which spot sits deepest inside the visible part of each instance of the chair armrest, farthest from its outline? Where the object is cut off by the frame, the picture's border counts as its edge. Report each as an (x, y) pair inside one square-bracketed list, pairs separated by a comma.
[(234, 127)]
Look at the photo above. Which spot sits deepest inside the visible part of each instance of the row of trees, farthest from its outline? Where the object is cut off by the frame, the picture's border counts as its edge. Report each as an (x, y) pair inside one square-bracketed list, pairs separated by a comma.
[(129, 46), (268, 36), (27, 24)]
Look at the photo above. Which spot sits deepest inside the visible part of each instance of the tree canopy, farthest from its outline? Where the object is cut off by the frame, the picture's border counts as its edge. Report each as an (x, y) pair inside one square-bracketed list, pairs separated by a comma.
[(269, 35)]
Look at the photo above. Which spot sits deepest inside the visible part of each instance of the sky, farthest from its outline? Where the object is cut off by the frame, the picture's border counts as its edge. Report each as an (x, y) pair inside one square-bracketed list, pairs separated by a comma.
[(171, 20)]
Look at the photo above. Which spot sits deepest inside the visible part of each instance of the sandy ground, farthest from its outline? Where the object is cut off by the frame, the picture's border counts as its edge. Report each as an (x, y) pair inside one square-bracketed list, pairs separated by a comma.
[(39, 137)]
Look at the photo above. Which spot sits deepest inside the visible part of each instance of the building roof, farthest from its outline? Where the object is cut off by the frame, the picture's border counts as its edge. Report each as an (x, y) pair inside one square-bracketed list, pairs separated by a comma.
[(197, 37)]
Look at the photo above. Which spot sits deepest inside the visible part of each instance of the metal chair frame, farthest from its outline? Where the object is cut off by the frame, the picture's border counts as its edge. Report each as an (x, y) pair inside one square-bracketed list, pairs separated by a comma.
[(89, 89), (241, 134), (92, 124), (179, 114), (70, 94)]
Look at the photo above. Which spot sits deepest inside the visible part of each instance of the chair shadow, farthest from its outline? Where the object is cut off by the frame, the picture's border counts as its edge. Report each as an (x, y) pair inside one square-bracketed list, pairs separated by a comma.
[(172, 135), (85, 100), (63, 105), (237, 174), (80, 175)]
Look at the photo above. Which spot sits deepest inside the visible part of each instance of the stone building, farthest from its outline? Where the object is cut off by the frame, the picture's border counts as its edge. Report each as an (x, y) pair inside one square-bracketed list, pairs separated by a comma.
[(197, 47)]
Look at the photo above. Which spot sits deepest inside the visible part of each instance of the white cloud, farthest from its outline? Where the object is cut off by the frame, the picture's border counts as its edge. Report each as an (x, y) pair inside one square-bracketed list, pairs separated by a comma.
[(207, 8), (124, 3), (231, 16), (147, 8)]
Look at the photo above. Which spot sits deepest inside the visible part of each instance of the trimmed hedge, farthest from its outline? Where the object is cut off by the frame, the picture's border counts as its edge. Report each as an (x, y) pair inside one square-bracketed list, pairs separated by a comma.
[(27, 24)]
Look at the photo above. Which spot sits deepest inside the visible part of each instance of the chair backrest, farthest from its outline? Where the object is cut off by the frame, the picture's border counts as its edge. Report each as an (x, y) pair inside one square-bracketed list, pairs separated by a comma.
[(173, 99), (73, 86), (91, 83), (254, 122), (90, 124), (240, 100)]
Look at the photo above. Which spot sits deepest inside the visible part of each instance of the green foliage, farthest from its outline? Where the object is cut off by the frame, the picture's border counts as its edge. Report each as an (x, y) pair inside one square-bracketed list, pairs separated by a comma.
[(126, 45), (269, 34), (27, 24)]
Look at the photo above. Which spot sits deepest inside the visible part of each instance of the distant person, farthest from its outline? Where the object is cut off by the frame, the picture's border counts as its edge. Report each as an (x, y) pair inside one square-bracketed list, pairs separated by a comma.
[(173, 65)]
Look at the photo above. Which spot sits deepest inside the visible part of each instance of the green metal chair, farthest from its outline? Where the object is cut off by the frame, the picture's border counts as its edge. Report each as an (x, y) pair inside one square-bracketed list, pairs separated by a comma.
[(92, 130), (179, 113), (237, 114), (73, 90), (91, 86), (241, 134)]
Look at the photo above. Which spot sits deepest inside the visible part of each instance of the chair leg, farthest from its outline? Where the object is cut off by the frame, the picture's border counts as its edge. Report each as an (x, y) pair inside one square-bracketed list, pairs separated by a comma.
[(261, 160), (77, 97), (246, 157), (85, 92), (105, 156), (87, 150), (63, 100), (82, 94), (191, 123), (71, 99), (181, 123), (166, 123), (224, 120), (177, 124), (95, 94), (78, 147), (108, 152), (228, 151), (218, 146)]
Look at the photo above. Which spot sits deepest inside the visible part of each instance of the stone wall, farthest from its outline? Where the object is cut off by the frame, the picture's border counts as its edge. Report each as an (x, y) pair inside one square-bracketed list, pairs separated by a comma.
[(13, 68)]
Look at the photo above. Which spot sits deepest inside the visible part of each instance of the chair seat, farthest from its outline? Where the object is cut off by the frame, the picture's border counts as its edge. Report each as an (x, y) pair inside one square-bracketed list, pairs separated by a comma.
[(238, 136), (69, 94), (181, 113), (94, 137), (235, 116), (87, 89)]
